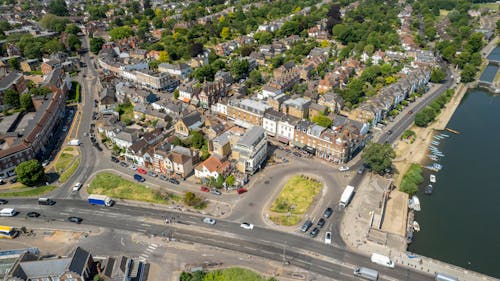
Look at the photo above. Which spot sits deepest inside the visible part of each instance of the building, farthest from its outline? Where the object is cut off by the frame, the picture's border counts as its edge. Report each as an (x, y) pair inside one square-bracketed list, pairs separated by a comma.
[(213, 167), (246, 113), (298, 107), (251, 150), (174, 160), (286, 128), (220, 145), (179, 70), (50, 65), (14, 81), (30, 65), (270, 121), (187, 123), (156, 80)]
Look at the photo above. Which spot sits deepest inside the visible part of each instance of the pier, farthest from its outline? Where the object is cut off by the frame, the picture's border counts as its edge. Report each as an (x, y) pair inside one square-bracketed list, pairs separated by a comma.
[(453, 131)]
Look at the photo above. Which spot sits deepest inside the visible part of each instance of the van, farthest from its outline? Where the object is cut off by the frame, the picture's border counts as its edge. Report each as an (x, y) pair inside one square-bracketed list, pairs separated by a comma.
[(305, 227), (444, 277), (382, 260), (46, 201), (8, 212), (366, 273)]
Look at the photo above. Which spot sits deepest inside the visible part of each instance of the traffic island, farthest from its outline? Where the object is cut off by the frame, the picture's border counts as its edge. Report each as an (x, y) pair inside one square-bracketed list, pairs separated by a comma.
[(294, 200), (67, 163)]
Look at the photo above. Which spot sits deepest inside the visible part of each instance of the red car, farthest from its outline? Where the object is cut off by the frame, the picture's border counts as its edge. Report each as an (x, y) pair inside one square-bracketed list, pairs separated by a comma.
[(241, 190), (205, 189), (142, 171)]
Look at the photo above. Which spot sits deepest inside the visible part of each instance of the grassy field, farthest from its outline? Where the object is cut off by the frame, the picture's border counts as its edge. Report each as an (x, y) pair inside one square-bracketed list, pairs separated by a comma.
[(294, 199), (69, 172), (35, 191), (229, 274), (116, 187), (64, 161)]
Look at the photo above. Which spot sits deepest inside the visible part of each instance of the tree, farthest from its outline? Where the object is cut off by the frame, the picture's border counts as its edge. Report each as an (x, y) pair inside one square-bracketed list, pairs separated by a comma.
[(58, 7), (378, 157), (263, 37), (73, 42), (121, 32), (26, 101), (54, 23), (322, 120), (230, 180), (53, 46), (197, 139), (437, 75), (30, 172), (225, 33), (239, 69), (14, 63), (96, 44), (73, 29), (11, 97), (468, 74)]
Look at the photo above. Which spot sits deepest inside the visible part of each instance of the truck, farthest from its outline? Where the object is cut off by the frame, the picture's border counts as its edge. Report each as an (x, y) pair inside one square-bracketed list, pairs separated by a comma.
[(101, 200), (444, 277), (74, 142), (346, 196), (382, 260), (366, 273)]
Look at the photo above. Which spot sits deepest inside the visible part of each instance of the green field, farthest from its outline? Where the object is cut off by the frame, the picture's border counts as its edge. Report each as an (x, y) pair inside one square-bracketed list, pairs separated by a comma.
[(294, 200), (116, 187), (229, 274), (64, 161), (69, 172), (35, 191)]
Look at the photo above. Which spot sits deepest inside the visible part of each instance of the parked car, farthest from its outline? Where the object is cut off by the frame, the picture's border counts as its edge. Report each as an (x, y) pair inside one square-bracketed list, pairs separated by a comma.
[(163, 178), (13, 180), (246, 225), (215, 191), (152, 174), (133, 167), (410, 112), (314, 232), (305, 227), (344, 168), (361, 170), (389, 132), (328, 237), (321, 223), (174, 181), (33, 214), (45, 163), (209, 221), (205, 189), (241, 190), (328, 212), (77, 220), (139, 178), (114, 159), (3, 201), (142, 171), (297, 154), (124, 164)]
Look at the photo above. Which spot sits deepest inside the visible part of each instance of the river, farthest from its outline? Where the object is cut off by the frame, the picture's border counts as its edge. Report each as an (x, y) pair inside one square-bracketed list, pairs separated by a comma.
[(460, 221)]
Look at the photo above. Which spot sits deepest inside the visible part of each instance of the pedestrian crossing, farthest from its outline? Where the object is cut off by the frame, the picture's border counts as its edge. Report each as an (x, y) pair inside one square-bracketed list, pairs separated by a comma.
[(149, 250)]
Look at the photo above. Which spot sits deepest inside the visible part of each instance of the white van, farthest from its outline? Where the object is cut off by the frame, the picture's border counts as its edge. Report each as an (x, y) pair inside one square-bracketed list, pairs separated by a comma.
[(382, 260), (444, 277), (8, 212), (366, 273)]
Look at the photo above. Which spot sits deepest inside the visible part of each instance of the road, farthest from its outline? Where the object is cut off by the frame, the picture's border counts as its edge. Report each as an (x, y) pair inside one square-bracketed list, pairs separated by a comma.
[(331, 261)]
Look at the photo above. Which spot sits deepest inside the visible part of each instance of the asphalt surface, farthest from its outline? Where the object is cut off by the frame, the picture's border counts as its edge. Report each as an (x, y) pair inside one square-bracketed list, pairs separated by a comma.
[(328, 260)]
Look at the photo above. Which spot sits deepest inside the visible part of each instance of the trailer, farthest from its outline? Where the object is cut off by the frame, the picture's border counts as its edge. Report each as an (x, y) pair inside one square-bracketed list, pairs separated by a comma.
[(100, 200), (346, 196)]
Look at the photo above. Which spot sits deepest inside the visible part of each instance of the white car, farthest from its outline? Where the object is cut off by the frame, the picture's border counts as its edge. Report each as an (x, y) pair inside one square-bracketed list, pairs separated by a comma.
[(344, 168), (209, 221), (246, 225), (133, 167), (45, 163), (77, 186), (328, 237)]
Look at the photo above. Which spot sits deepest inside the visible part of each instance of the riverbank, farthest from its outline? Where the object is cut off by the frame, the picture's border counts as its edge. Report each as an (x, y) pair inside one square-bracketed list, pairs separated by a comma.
[(407, 153)]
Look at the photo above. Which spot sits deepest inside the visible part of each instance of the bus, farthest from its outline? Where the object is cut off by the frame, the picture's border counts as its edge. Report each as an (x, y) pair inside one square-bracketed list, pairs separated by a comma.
[(7, 232)]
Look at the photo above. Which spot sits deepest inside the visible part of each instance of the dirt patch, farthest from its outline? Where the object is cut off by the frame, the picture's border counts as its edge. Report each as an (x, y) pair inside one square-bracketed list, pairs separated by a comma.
[(395, 219), (63, 237)]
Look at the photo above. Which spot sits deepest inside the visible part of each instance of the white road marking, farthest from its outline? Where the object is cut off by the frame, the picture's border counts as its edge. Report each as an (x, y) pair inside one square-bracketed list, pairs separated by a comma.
[(141, 230)]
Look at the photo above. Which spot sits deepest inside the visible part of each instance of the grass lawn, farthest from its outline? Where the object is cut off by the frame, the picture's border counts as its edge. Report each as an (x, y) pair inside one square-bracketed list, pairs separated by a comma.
[(64, 161), (116, 187), (67, 174), (296, 197), (35, 191), (230, 274)]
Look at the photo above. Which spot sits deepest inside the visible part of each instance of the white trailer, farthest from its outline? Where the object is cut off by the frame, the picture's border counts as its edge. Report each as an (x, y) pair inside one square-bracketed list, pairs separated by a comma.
[(382, 260), (346, 196)]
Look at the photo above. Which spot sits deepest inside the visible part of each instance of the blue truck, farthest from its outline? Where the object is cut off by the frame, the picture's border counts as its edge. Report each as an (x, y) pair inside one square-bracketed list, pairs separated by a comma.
[(100, 200)]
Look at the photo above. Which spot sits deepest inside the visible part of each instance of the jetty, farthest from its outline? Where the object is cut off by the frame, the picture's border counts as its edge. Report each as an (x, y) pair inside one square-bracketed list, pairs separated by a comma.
[(453, 131)]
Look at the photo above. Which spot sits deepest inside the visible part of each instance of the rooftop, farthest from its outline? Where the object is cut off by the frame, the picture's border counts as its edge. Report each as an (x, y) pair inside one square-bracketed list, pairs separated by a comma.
[(252, 136)]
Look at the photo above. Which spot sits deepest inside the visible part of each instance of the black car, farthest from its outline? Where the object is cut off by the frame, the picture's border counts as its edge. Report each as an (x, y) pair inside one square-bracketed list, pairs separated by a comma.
[(114, 159), (305, 227), (123, 164), (3, 201), (163, 178), (389, 132), (75, 220), (174, 181), (297, 154), (328, 212), (33, 214), (321, 222), (314, 232), (13, 180)]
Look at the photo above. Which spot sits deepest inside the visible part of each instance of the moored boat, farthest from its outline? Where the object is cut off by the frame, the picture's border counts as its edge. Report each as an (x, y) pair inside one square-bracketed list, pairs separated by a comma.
[(416, 226), (432, 178), (414, 203), (428, 189)]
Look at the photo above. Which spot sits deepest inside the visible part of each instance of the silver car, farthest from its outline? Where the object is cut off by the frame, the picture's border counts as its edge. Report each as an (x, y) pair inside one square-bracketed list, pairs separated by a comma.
[(209, 221)]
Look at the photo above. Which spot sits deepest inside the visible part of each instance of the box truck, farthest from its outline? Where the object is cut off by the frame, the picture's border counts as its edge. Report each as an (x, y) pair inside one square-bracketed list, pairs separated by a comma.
[(382, 260), (366, 273), (100, 200), (74, 142), (346, 196)]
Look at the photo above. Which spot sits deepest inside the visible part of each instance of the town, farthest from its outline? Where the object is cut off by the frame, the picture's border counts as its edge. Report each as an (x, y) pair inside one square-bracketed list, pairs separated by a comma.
[(165, 140)]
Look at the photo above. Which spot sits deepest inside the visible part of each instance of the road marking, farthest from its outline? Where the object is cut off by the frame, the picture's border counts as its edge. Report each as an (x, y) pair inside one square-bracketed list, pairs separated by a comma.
[(121, 242), (141, 230), (145, 224), (152, 247), (65, 214), (144, 255)]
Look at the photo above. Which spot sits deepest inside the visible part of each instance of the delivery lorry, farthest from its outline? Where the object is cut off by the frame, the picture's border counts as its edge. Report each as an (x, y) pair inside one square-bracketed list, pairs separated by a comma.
[(74, 142), (100, 200), (346, 196)]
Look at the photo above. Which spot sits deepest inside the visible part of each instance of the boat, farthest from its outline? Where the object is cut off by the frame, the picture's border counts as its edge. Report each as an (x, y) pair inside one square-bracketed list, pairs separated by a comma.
[(432, 178), (414, 203), (432, 168), (438, 137), (416, 226), (428, 189), (431, 147), (435, 143), (437, 166), (444, 135), (433, 157)]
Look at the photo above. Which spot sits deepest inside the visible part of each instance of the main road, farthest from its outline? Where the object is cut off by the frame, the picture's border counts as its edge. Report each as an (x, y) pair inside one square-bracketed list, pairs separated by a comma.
[(295, 249)]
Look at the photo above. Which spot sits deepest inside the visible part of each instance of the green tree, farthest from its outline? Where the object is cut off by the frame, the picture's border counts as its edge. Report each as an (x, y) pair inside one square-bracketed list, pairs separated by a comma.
[(73, 42), (53, 46), (230, 180), (322, 120), (468, 74), (425, 116), (378, 157), (11, 97), (437, 75), (72, 28), (225, 33), (121, 32), (30, 172), (239, 68), (197, 139), (14, 63), (411, 179), (263, 37), (26, 101), (96, 44), (54, 23), (58, 7)]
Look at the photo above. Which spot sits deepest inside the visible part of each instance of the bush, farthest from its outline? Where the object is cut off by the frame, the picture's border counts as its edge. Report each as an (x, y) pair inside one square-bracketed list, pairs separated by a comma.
[(412, 178)]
